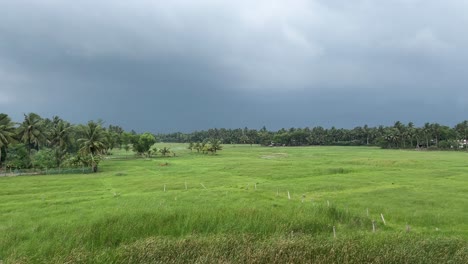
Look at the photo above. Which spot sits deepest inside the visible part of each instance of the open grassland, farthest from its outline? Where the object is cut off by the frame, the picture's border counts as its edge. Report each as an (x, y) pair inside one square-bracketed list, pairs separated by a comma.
[(244, 205)]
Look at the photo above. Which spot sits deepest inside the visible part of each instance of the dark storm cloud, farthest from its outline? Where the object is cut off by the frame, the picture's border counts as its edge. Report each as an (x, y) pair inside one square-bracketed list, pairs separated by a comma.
[(185, 65)]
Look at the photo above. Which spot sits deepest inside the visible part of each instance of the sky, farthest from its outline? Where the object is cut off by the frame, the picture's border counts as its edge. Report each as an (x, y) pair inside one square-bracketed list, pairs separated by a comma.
[(184, 65)]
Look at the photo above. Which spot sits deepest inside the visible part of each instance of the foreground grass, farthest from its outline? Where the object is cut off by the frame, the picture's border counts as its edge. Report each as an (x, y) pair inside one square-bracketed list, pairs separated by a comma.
[(234, 207)]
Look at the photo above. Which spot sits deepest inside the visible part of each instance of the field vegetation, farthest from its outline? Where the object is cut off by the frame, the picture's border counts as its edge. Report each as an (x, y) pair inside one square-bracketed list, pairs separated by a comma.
[(246, 204)]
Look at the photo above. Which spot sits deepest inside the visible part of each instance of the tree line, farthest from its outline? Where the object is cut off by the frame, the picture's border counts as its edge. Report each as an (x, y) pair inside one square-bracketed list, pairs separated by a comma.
[(41, 143), (398, 135)]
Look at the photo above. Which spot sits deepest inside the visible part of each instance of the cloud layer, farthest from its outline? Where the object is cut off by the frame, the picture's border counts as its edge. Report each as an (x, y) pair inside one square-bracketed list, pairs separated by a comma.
[(185, 65)]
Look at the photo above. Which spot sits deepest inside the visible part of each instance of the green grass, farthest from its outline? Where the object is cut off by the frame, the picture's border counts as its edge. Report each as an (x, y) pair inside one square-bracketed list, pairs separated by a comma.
[(236, 208)]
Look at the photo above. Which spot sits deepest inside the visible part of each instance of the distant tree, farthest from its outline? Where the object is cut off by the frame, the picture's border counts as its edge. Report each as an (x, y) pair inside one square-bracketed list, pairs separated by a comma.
[(190, 146), (215, 145), (117, 132), (31, 132), (92, 142), (7, 134), (60, 138), (427, 131), (244, 139), (144, 143), (126, 147), (462, 131), (205, 147), (44, 158), (197, 146), (18, 157), (110, 140), (164, 151)]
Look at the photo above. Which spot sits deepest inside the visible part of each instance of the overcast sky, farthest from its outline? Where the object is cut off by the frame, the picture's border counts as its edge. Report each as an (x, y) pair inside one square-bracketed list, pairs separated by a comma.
[(175, 65)]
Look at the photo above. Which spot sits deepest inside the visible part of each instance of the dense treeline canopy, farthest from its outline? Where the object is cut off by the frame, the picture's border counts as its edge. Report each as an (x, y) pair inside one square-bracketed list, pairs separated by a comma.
[(39, 142), (399, 135)]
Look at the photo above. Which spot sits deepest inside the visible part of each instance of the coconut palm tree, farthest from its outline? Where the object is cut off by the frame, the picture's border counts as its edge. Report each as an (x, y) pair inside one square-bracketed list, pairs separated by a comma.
[(164, 151), (7, 133), (32, 132), (59, 137), (215, 145), (92, 141)]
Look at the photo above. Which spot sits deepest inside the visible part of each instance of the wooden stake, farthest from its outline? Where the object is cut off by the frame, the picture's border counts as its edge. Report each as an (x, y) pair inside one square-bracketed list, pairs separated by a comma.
[(334, 232), (289, 196), (383, 219), (373, 226)]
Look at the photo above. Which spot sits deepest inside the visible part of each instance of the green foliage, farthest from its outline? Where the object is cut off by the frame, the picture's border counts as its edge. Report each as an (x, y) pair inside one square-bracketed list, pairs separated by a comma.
[(144, 143), (164, 151), (82, 159), (44, 158), (7, 133), (32, 131), (191, 146), (18, 157), (92, 138)]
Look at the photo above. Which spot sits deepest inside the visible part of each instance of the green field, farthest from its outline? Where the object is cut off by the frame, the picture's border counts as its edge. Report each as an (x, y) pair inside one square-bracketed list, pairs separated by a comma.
[(234, 207)]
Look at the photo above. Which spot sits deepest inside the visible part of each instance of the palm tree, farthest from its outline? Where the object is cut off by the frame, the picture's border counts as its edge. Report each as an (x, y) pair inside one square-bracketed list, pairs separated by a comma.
[(462, 130), (164, 151), (411, 132), (215, 145), (197, 146), (31, 132), (400, 127), (59, 137), (190, 146), (92, 141), (427, 133), (7, 133)]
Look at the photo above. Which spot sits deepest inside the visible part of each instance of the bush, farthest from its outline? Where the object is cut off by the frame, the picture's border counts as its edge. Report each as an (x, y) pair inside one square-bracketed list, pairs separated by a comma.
[(44, 158), (18, 157)]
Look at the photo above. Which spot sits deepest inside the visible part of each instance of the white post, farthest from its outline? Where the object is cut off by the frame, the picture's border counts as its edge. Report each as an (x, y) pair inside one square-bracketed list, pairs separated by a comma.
[(328, 203), (334, 232), (373, 226), (383, 219), (255, 186), (289, 196)]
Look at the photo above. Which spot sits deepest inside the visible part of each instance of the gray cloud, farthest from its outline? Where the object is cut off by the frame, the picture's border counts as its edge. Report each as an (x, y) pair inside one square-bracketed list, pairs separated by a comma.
[(184, 65)]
